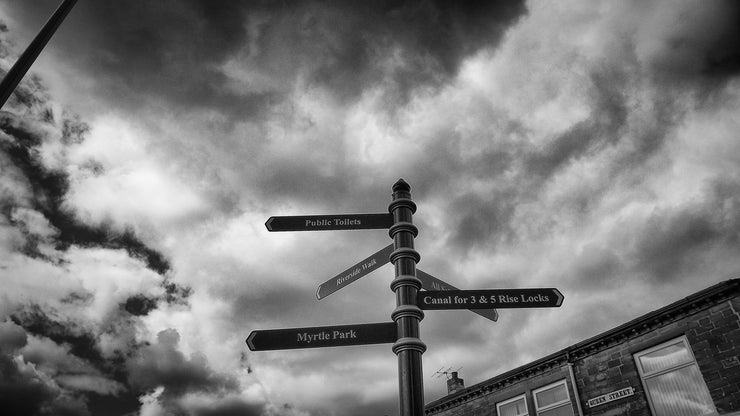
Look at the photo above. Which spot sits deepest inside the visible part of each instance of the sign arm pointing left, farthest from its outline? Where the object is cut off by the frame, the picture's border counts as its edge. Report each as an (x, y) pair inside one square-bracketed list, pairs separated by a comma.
[(329, 222)]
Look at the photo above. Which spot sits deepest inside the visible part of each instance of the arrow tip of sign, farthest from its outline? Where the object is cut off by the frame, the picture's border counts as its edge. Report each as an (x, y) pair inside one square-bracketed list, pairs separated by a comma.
[(250, 340), (560, 297), (268, 223), (318, 293)]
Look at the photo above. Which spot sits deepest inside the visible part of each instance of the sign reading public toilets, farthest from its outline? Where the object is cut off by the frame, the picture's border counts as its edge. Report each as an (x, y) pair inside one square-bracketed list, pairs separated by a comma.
[(322, 336), (330, 222), (489, 299)]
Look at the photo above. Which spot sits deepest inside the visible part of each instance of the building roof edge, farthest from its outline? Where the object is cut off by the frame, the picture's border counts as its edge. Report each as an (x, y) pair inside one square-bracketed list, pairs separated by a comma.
[(721, 289)]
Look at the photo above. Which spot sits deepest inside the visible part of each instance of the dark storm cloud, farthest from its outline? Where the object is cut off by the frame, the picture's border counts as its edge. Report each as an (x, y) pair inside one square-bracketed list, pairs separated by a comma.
[(174, 49), (35, 320), (705, 46), (49, 186), (162, 364), (353, 40), (25, 391), (141, 305)]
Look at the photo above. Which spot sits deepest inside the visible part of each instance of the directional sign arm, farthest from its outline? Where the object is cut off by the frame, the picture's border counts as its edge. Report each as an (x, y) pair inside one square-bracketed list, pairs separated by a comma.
[(490, 298), (329, 222), (322, 336), (355, 272)]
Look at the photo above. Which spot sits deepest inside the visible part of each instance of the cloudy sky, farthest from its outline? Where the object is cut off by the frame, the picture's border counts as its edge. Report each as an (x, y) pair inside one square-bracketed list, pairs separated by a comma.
[(590, 146)]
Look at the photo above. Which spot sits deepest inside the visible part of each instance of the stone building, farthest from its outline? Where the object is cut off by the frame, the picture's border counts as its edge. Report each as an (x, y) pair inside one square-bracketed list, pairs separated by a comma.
[(680, 360)]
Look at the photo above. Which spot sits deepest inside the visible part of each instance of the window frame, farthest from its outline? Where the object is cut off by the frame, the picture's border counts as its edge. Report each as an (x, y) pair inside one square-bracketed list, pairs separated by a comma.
[(645, 377), (512, 400), (551, 406)]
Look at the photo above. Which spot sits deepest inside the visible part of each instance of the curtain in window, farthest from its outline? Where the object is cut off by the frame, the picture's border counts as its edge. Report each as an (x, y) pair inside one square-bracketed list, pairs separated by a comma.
[(680, 393), (669, 356)]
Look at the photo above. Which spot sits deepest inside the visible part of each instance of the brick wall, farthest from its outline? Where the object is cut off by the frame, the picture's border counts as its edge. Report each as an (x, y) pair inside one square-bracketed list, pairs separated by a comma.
[(715, 340), (484, 404), (714, 337), (710, 321)]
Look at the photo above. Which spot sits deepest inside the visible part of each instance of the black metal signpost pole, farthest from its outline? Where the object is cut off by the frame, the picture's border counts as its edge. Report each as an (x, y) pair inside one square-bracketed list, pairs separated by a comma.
[(408, 347)]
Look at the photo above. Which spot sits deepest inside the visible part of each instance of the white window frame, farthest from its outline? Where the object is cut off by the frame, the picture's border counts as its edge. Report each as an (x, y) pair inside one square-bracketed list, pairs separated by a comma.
[(644, 377), (513, 399), (561, 403)]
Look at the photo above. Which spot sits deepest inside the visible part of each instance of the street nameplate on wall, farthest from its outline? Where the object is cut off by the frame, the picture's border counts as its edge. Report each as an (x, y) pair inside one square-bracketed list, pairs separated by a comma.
[(610, 397)]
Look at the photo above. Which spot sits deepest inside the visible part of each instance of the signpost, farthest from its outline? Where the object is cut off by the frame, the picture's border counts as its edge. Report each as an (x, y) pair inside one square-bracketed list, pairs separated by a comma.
[(329, 222), (322, 336), (489, 299), (403, 332), (355, 272)]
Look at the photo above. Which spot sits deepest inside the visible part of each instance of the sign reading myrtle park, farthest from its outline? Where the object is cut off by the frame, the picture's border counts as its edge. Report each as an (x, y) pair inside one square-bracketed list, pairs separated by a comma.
[(415, 291), (324, 336)]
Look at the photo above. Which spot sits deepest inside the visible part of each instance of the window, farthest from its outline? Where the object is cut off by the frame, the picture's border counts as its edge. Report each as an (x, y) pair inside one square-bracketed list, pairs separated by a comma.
[(672, 380), (512, 407), (553, 400)]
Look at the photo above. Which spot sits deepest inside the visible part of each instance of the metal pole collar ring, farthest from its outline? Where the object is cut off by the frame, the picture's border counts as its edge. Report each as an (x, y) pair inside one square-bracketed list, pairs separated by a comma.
[(408, 343), (404, 252), (403, 226), (405, 280), (402, 203), (407, 310)]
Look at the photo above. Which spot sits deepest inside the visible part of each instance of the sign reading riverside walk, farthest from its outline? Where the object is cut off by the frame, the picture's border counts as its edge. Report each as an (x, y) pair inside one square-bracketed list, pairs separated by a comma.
[(491, 298), (355, 272), (330, 222), (322, 336)]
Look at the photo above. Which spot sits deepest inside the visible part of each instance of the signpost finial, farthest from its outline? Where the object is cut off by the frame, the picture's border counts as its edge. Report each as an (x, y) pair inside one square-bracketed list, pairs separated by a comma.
[(401, 185)]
